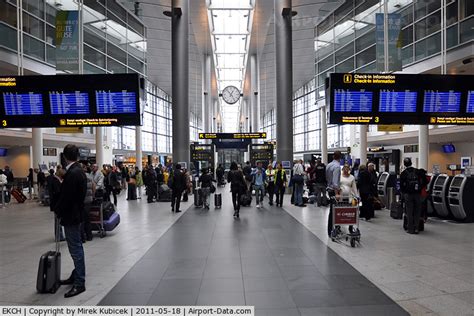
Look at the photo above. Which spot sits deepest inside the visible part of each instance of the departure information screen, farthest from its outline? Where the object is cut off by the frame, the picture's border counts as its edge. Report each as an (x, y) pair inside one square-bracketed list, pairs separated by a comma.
[(23, 103), (70, 100), (69, 103), (116, 102), (397, 101), (352, 101), (418, 99), (439, 101), (470, 102)]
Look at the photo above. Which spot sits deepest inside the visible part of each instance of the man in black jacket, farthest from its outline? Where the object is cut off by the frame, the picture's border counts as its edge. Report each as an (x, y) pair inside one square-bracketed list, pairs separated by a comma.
[(177, 185), (411, 185), (70, 210)]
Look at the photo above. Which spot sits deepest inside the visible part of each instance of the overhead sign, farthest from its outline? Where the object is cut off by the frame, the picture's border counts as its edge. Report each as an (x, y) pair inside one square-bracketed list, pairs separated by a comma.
[(390, 128), (202, 152), (232, 135), (401, 99), (69, 130), (261, 152), (70, 100)]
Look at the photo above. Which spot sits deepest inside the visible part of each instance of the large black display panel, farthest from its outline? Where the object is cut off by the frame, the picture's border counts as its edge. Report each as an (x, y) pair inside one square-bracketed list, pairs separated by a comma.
[(70, 100), (400, 99)]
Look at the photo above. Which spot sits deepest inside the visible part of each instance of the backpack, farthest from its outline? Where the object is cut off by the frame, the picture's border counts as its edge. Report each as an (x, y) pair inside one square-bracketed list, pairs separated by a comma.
[(413, 181)]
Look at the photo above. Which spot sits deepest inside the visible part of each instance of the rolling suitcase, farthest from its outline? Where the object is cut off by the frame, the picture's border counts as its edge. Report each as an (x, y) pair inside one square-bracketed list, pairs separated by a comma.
[(49, 269), (396, 210), (217, 200), (198, 198), (18, 195), (112, 222)]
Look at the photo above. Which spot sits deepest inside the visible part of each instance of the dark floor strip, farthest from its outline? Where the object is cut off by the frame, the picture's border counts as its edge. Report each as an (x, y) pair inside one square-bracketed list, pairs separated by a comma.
[(266, 259)]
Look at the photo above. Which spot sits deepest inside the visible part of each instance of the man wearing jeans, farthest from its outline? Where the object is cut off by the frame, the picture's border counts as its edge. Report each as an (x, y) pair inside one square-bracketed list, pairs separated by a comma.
[(70, 211), (333, 178), (259, 184)]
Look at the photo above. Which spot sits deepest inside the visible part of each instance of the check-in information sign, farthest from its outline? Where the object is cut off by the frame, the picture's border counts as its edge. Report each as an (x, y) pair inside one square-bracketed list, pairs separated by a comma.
[(401, 99), (232, 135)]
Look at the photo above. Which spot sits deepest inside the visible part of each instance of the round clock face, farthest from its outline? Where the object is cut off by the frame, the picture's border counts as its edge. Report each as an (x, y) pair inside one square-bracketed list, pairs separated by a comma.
[(231, 94)]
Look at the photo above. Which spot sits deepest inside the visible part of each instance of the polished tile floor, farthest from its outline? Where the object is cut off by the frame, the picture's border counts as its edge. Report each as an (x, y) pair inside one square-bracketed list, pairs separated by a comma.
[(265, 259), (276, 259)]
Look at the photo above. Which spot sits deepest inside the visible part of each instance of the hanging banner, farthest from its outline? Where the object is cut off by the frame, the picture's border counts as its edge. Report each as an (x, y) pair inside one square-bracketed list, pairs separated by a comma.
[(394, 42), (67, 41)]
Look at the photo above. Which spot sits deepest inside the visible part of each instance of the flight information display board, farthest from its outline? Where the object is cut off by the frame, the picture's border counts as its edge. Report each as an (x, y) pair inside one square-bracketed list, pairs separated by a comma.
[(70, 100), (69, 103), (116, 102), (397, 101), (352, 101), (23, 103), (400, 99)]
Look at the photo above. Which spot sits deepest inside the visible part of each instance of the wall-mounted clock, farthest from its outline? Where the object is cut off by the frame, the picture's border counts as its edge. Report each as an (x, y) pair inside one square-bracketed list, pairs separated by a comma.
[(231, 94)]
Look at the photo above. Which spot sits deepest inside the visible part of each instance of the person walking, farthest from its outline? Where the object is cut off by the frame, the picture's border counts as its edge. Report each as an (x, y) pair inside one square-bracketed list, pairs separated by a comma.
[(280, 184), (238, 186), (247, 170), (270, 181), (70, 210), (320, 183), (30, 179), (220, 175), (298, 183), (333, 178), (178, 185), (205, 182), (365, 186), (150, 180), (10, 182), (411, 185), (258, 180), (115, 184)]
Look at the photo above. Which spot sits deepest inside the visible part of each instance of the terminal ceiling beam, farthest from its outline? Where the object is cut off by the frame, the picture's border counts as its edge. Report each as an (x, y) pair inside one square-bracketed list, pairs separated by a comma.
[(180, 79), (284, 80)]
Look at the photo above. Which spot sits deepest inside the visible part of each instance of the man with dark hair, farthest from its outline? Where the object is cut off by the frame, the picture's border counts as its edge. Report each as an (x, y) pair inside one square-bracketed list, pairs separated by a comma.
[(178, 185), (333, 179), (410, 186), (70, 211)]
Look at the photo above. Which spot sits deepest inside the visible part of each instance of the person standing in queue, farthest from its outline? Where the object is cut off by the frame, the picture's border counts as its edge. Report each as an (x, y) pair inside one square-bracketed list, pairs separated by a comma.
[(320, 182), (280, 184), (98, 179), (410, 186), (270, 180), (115, 182), (177, 185), (333, 178), (364, 184), (70, 211), (150, 180), (298, 183), (238, 186)]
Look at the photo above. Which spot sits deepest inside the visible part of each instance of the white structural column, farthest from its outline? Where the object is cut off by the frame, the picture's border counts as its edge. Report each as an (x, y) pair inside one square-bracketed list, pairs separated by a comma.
[(363, 144), (324, 135), (254, 79), (206, 94), (138, 146), (37, 135), (423, 146), (99, 146)]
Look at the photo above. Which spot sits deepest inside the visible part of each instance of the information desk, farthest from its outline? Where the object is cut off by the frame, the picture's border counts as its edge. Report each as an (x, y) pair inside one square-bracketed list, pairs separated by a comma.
[(400, 99), (70, 100)]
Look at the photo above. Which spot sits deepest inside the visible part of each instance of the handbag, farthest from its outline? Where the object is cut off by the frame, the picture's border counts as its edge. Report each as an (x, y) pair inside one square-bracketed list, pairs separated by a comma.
[(298, 179), (212, 188)]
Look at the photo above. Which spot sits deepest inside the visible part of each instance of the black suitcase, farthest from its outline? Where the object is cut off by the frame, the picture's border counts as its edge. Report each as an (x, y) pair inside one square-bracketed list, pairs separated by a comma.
[(245, 200), (49, 269), (198, 198), (396, 210), (217, 200)]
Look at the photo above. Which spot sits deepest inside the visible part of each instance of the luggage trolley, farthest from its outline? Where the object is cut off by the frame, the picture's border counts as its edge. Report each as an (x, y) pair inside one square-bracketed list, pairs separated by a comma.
[(345, 213), (96, 217)]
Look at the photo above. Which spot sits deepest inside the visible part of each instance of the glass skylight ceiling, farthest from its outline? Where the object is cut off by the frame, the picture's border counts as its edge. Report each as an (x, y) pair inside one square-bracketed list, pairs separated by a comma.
[(230, 24)]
